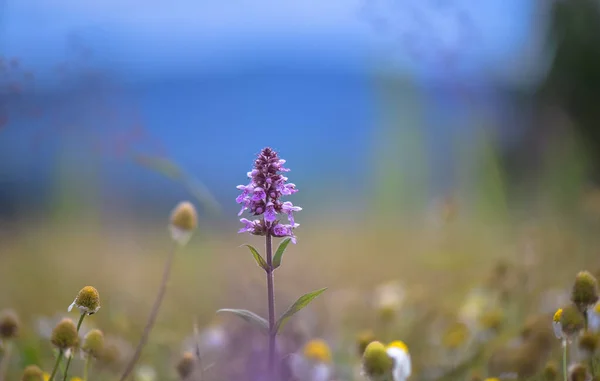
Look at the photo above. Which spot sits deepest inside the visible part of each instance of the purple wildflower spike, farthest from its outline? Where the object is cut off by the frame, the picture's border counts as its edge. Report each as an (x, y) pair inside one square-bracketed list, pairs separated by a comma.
[(261, 197)]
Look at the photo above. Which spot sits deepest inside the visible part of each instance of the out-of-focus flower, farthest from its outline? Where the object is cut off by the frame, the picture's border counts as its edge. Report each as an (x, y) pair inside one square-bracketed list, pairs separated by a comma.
[(398, 351), (64, 335), (570, 323), (377, 365), (587, 344), (183, 222), (9, 325), (185, 366), (262, 197), (93, 343), (313, 363), (145, 373), (550, 372), (585, 291), (389, 298), (579, 372), (32, 373)]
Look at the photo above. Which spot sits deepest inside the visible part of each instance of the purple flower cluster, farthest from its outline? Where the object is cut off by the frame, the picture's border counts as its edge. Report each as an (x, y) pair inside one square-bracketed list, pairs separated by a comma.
[(262, 197)]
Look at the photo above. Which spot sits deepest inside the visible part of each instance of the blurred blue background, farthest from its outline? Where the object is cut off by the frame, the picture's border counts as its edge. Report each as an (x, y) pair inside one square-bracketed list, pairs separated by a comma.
[(207, 84)]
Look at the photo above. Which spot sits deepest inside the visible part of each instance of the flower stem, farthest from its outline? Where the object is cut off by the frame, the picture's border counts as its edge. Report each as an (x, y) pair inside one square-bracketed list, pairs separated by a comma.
[(5, 360), (86, 367), (152, 317), (564, 345), (58, 359), (70, 357), (271, 302)]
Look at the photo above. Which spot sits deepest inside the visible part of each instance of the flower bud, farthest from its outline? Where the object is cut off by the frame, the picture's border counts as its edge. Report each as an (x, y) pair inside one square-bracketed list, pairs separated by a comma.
[(93, 343), (186, 365), (376, 362), (585, 291), (9, 325), (64, 335), (184, 221), (32, 373)]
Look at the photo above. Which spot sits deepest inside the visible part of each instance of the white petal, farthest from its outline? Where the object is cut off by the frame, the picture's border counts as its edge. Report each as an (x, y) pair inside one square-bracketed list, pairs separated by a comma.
[(179, 235), (321, 372), (402, 363), (71, 306)]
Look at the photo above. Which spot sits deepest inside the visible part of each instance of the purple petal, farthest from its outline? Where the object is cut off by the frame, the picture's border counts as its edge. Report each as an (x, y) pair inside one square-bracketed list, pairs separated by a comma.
[(258, 194), (270, 214), (248, 225)]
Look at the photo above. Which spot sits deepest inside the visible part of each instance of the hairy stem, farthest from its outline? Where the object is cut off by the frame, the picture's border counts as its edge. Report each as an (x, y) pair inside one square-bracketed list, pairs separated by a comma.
[(152, 317), (70, 357), (271, 302), (5, 360), (58, 359)]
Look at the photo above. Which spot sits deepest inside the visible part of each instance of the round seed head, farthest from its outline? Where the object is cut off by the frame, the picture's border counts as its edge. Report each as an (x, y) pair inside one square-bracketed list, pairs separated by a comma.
[(186, 365), (376, 361), (588, 342), (363, 339), (87, 301), (64, 335), (578, 372), (32, 373), (93, 343), (317, 350), (184, 216), (9, 325), (571, 320), (550, 372), (184, 220), (585, 290)]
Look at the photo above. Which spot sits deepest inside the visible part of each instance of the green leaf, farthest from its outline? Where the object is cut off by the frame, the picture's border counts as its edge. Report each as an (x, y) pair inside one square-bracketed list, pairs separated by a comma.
[(258, 258), (279, 253), (250, 317), (297, 306)]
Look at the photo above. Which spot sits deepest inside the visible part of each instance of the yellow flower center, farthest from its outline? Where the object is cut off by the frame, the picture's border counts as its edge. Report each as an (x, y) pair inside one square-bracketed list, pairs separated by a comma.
[(557, 315), (492, 379), (76, 379), (398, 344), (317, 350), (597, 308), (46, 376)]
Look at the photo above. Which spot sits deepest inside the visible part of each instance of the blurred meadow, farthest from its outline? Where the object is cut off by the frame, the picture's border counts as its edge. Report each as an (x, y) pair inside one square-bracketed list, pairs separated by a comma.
[(446, 156)]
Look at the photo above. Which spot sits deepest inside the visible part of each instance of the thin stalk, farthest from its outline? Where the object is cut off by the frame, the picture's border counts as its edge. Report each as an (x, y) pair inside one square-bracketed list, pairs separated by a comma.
[(5, 360), (58, 360), (152, 317), (86, 367), (70, 357), (271, 302), (564, 360)]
